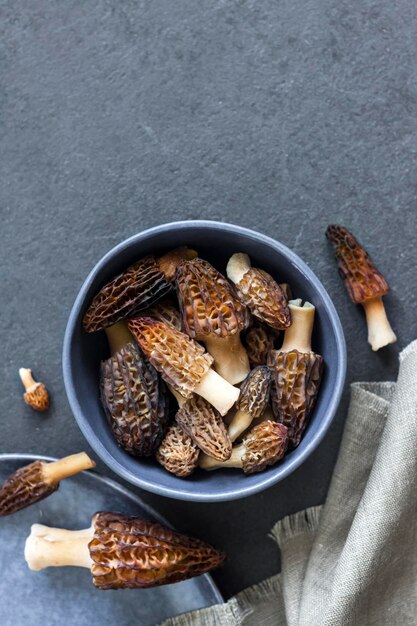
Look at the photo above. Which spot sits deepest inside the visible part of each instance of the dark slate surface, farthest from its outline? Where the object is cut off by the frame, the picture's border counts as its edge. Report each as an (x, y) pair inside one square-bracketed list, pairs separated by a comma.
[(279, 116)]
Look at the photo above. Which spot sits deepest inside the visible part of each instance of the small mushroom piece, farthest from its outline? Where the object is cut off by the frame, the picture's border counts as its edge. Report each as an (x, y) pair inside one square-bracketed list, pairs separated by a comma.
[(252, 401), (205, 426), (364, 283), (36, 394), (38, 480), (259, 340), (164, 311), (182, 362), (296, 373), (258, 290), (178, 453), (265, 445), (134, 398), (140, 286), (212, 313), (122, 552)]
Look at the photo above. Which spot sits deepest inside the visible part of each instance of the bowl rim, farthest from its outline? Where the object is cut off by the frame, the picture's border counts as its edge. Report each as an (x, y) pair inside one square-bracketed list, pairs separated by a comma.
[(186, 492)]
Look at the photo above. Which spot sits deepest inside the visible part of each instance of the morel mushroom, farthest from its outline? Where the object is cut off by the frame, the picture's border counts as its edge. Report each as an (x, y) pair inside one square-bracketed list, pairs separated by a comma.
[(164, 311), (135, 289), (38, 480), (253, 398), (265, 445), (122, 552), (259, 340), (212, 313), (364, 283), (178, 453), (296, 373), (205, 426), (133, 396), (182, 362), (36, 394), (259, 291)]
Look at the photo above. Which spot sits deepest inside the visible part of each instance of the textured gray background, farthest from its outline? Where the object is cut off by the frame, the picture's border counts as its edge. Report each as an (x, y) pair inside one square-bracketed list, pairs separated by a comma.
[(280, 116)]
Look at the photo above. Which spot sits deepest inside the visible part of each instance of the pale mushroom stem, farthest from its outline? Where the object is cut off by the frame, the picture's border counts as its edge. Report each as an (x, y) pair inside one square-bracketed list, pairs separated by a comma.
[(240, 422), (380, 333), (239, 263), (216, 390), (27, 379), (298, 335), (57, 547), (208, 463), (169, 262), (179, 398), (56, 471), (230, 357), (118, 336)]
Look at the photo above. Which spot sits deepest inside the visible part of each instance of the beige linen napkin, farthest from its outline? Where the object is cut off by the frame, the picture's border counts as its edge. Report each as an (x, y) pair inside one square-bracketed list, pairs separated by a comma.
[(352, 562)]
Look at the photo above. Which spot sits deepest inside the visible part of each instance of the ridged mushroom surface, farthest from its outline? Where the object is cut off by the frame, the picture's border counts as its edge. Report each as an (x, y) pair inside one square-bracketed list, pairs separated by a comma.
[(259, 340), (265, 445), (25, 487), (178, 453)]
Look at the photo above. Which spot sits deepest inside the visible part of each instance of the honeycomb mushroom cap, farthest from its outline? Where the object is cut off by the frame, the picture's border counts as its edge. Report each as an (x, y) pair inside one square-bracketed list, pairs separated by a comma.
[(164, 311), (254, 392), (208, 302), (296, 381), (181, 362), (25, 487), (259, 340), (178, 453), (206, 428), (264, 298), (140, 286), (264, 445), (362, 279), (135, 401), (131, 553), (37, 397)]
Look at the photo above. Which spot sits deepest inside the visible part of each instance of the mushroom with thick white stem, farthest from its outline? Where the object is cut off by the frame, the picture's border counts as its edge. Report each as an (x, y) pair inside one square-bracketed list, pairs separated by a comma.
[(252, 401), (296, 373), (212, 313), (38, 480), (134, 397), (265, 445), (182, 363), (364, 283), (36, 394), (140, 286), (122, 552), (263, 296)]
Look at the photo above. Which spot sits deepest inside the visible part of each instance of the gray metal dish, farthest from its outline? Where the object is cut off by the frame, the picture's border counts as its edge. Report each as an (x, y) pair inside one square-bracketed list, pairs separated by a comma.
[(214, 241), (65, 596)]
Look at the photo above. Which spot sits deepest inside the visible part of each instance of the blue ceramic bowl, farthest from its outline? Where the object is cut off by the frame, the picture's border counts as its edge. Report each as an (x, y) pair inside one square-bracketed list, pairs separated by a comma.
[(215, 242)]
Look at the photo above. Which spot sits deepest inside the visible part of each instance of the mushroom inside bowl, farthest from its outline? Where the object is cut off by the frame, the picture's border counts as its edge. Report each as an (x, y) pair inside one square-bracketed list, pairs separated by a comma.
[(216, 242)]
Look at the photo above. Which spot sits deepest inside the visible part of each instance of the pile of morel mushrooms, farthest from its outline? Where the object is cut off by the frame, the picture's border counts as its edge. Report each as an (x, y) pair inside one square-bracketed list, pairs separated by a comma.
[(241, 401)]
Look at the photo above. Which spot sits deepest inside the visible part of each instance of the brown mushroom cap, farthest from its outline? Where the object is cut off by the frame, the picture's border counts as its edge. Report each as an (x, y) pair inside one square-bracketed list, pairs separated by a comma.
[(208, 301), (164, 311), (178, 453), (254, 392), (205, 426), (296, 381), (362, 279), (128, 552), (181, 361), (36, 395), (264, 445), (135, 401), (25, 487), (259, 340)]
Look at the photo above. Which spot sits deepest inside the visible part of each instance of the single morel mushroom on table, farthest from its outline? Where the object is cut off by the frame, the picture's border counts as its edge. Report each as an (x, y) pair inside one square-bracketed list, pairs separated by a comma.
[(264, 445), (252, 401), (296, 373), (36, 394), (259, 340), (38, 480), (205, 426), (259, 291), (140, 286), (182, 362), (134, 397), (364, 283), (178, 453), (122, 552), (212, 313)]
